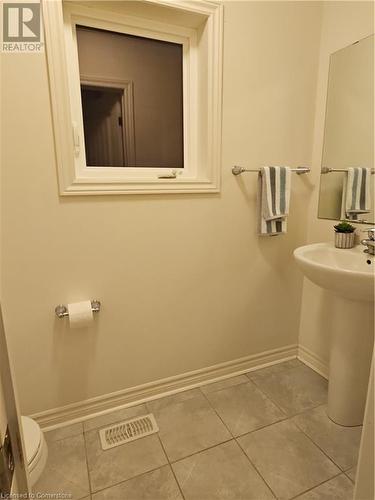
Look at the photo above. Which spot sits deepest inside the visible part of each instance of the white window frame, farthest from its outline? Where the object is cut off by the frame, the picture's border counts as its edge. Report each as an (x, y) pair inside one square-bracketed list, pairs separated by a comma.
[(202, 85)]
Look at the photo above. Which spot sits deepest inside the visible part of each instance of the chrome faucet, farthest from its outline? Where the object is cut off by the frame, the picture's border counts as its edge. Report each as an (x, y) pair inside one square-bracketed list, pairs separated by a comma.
[(370, 241)]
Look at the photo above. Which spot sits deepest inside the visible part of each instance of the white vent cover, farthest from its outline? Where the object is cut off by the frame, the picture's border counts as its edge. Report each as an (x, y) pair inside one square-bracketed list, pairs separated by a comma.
[(127, 431)]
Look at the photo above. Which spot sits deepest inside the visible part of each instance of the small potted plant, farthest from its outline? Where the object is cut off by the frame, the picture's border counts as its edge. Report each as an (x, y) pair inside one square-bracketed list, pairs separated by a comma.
[(344, 235)]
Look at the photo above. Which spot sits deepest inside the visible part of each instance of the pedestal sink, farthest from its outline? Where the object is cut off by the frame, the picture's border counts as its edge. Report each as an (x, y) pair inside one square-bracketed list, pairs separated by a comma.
[(349, 276)]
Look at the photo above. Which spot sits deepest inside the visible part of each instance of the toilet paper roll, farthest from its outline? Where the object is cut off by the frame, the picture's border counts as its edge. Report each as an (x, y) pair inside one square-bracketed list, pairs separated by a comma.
[(80, 314)]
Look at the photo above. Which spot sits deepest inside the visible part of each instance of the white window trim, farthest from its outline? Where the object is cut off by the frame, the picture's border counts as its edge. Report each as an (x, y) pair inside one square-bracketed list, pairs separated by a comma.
[(202, 100)]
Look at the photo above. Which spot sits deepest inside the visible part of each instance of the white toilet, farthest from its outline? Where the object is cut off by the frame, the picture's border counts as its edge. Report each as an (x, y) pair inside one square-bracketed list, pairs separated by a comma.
[(35, 448)]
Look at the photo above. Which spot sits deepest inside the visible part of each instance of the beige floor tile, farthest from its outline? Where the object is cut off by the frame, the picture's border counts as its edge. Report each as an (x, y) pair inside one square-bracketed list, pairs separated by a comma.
[(274, 369), (351, 473), (294, 390), (66, 469), (222, 472), (159, 404), (338, 488), (189, 427), (288, 461), (223, 384), (64, 432), (159, 484), (113, 417), (110, 467), (338, 442), (244, 408)]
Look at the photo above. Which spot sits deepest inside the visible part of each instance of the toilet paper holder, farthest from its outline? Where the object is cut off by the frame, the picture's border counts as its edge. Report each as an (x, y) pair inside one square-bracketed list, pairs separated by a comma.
[(61, 311)]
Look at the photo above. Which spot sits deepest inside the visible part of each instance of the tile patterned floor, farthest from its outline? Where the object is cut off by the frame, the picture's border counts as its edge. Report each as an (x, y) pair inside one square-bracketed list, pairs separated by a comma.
[(262, 435)]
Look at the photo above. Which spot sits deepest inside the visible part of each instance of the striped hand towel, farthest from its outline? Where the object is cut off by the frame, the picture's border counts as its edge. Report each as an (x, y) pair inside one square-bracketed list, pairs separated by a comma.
[(273, 200), (356, 192)]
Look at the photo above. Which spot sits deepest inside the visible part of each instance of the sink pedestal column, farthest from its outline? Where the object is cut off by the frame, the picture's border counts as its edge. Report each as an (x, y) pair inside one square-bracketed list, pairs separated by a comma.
[(351, 352)]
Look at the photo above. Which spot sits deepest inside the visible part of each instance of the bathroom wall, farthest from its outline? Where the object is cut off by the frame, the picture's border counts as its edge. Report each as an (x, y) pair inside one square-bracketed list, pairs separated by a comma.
[(343, 23), (184, 281)]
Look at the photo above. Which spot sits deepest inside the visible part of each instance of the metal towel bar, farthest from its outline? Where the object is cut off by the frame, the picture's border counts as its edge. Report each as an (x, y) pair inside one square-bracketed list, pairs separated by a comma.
[(236, 170), (327, 170)]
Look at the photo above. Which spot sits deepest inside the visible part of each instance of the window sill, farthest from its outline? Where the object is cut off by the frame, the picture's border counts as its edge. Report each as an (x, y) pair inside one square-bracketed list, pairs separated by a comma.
[(83, 186)]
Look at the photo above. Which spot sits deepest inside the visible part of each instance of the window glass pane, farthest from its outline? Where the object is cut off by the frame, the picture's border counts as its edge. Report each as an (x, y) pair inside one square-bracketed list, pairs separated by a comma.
[(132, 99)]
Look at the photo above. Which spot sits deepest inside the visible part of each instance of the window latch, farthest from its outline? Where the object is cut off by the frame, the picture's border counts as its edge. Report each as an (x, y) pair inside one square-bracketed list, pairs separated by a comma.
[(172, 175), (76, 140)]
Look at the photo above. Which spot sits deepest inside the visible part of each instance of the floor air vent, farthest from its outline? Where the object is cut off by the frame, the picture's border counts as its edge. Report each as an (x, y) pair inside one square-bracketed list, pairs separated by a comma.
[(127, 431)]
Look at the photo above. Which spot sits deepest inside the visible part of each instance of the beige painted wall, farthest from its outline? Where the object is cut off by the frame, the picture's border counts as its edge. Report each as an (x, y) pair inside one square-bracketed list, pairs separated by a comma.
[(184, 281), (343, 23)]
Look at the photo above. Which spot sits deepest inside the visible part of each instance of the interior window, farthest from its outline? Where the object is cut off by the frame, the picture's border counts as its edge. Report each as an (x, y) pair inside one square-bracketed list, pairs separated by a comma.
[(136, 94), (132, 100)]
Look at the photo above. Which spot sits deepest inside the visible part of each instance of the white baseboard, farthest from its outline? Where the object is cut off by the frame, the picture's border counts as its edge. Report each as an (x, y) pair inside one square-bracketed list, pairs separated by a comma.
[(83, 410), (313, 361)]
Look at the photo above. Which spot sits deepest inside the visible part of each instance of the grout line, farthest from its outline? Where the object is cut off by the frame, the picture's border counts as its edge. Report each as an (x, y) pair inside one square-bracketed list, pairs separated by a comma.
[(347, 475), (227, 387), (288, 415), (282, 419), (256, 469), (268, 397), (170, 466), (129, 478), (261, 428), (316, 486), (217, 414), (238, 444), (306, 410), (61, 438), (202, 451), (87, 461), (208, 447), (320, 448)]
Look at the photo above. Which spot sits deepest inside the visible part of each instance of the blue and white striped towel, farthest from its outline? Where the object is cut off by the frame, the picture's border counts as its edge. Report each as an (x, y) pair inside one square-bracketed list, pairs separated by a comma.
[(356, 192), (273, 200)]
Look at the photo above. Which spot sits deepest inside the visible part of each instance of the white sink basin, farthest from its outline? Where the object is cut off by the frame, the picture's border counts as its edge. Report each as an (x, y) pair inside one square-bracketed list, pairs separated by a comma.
[(349, 275), (344, 272)]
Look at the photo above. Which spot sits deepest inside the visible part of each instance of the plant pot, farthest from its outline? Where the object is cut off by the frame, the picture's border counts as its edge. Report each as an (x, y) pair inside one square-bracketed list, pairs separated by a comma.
[(344, 240)]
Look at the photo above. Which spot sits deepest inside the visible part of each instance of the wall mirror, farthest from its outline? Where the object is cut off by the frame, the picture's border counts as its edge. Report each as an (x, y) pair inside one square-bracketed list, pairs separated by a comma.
[(349, 136)]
